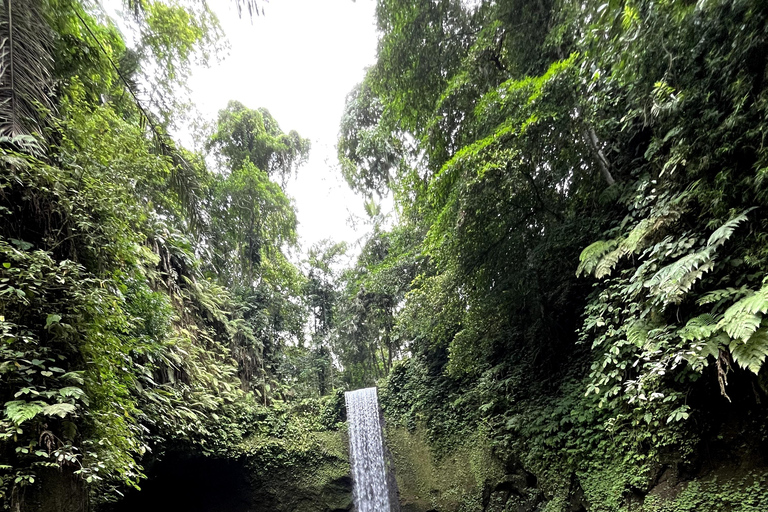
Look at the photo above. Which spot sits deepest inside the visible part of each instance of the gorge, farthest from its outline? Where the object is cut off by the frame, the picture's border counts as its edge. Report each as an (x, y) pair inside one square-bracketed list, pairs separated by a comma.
[(556, 299)]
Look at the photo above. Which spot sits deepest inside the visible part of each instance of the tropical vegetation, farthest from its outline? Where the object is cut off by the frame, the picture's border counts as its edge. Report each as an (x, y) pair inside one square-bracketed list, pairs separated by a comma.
[(574, 278)]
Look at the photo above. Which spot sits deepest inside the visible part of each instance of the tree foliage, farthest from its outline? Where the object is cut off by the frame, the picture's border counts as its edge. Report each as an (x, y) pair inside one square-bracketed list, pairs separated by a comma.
[(25, 69), (145, 300), (244, 135), (588, 182)]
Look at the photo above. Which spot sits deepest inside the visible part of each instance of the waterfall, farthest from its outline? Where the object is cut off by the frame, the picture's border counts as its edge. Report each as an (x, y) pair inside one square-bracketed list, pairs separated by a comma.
[(366, 450)]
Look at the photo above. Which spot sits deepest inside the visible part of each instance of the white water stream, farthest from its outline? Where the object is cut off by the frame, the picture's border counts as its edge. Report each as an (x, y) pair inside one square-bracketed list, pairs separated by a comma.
[(366, 450)]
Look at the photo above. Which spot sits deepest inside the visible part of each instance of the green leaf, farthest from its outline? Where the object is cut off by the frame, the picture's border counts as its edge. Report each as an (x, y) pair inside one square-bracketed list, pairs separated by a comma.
[(743, 318), (21, 244), (60, 410), (751, 354), (73, 392), (724, 232), (592, 255), (672, 282), (76, 377), (52, 319), (698, 328), (19, 411)]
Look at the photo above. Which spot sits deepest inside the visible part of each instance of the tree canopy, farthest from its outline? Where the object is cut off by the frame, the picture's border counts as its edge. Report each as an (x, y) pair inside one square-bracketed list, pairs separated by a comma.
[(576, 267)]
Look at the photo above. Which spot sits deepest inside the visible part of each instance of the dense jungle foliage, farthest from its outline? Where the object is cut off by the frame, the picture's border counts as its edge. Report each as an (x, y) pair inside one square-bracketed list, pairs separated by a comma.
[(579, 263), (576, 273), (146, 297)]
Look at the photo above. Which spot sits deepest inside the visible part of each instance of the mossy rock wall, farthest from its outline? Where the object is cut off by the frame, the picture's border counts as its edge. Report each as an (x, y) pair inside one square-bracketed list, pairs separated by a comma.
[(313, 479), (470, 479), (56, 490), (462, 480), (310, 474)]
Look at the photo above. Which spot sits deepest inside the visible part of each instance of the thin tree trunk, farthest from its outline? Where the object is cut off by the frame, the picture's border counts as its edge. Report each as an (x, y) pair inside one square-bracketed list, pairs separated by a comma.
[(605, 166)]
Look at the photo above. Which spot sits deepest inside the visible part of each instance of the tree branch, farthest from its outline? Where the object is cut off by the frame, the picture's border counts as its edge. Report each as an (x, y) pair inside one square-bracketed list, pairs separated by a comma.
[(605, 166)]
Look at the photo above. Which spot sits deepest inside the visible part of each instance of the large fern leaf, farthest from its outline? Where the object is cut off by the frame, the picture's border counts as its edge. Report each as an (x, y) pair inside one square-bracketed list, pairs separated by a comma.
[(592, 255), (724, 232), (757, 303), (640, 234), (739, 324), (743, 318), (671, 283), (717, 296), (19, 411), (699, 328), (751, 354), (700, 351), (637, 333), (607, 263)]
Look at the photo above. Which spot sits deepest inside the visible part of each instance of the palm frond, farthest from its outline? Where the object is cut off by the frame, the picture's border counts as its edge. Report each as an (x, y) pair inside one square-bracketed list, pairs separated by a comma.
[(25, 68)]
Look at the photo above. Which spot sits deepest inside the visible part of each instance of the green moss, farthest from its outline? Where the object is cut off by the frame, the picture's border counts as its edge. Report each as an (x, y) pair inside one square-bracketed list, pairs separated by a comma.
[(605, 486), (299, 461), (745, 493), (311, 475), (453, 482)]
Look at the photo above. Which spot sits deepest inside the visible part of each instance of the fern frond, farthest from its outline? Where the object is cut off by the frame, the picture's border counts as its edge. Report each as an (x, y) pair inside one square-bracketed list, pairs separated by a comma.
[(638, 237), (608, 262), (719, 295), (755, 303), (672, 282), (637, 333), (602, 256), (724, 232), (739, 324), (699, 328), (743, 318), (701, 350), (638, 234), (592, 254), (751, 354)]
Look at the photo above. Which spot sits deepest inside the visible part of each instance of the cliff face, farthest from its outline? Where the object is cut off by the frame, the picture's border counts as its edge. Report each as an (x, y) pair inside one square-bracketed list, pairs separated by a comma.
[(56, 490), (727, 472), (731, 475), (269, 476), (315, 480), (469, 477)]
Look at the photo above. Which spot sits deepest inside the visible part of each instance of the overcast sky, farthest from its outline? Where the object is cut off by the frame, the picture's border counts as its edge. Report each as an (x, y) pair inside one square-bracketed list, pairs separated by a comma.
[(298, 60)]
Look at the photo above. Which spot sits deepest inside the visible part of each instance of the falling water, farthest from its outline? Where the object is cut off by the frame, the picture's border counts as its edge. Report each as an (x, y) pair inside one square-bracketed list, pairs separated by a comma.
[(366, 451)]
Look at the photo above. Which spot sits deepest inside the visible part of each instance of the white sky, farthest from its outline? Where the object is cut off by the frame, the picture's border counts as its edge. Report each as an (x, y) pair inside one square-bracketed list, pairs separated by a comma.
[(299, 61)]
